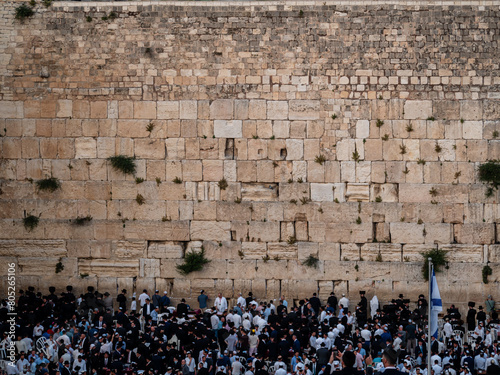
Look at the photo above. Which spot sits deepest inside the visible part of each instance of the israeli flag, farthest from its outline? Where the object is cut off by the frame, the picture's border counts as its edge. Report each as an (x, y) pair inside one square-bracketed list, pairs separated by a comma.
[(436, 305)]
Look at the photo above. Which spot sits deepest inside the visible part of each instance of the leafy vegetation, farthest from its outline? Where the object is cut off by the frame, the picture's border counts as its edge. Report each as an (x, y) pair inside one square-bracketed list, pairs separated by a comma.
[(193, 261), (30, 222), (223, 184), (311, 261), (438, 258), (487, 271), (59, 266), (125, 164), (48, 184), (83, 220), (489, 173), (320, 159), (23, 11)]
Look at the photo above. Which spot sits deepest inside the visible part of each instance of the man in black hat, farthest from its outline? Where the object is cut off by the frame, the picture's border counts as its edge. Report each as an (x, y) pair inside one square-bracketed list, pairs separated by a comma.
[(363, 303), (332, 301), (481, 316), (471, 317), (122, 299)]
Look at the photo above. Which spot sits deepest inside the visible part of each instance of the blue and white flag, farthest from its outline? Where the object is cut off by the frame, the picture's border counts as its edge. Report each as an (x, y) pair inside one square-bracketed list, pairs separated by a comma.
[(436, 305)]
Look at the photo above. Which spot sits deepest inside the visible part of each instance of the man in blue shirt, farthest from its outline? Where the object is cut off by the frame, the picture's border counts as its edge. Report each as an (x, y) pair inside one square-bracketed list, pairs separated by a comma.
[(202, 300)]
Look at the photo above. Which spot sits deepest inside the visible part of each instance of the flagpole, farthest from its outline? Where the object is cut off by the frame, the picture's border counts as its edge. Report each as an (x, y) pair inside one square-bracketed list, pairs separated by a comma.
[(429, 319)]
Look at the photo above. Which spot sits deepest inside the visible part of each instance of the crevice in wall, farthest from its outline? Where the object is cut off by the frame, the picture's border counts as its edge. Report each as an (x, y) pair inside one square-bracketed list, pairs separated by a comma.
[(229, 150)]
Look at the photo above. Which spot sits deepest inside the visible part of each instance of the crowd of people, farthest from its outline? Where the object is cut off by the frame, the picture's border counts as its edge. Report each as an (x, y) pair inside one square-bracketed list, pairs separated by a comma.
[(94, 334)]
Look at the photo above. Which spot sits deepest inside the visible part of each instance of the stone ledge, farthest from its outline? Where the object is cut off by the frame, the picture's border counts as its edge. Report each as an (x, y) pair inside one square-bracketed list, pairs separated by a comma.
[(272, 4)]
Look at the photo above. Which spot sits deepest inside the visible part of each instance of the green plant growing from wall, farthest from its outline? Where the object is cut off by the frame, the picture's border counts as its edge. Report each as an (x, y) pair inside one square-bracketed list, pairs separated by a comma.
[(320, 159), (23, 11), (223, 184), (140, 199), (439, 258), (177, 180), (139, 180), (124, 164), (385, 137), (356, 156), (409, 128), (291, 240), (48, 184), (193, 261), (487, 271), (334, 116), (30, 222), (150, 126), (80, 221), (379, 123), (489, 174), (378, 258), (311, 261), (59, 266)]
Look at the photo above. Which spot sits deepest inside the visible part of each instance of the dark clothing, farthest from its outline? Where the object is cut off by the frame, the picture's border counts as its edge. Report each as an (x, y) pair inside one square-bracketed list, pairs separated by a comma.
[(471, 319), (349, 371)]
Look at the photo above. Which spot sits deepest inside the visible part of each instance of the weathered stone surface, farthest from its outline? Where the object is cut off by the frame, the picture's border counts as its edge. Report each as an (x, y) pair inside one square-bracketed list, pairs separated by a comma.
[(206, 230)]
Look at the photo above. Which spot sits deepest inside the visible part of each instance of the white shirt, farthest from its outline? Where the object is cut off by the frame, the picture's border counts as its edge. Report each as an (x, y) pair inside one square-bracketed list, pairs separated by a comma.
[(344, 302), (142, 299), (220, 304), (236, 367), (242, 301), (237, 320), (448, 329), (83, 366)]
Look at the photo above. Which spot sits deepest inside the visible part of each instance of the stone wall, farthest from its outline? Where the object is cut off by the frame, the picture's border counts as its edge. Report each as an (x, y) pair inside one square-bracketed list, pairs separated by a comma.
[(347, 131)]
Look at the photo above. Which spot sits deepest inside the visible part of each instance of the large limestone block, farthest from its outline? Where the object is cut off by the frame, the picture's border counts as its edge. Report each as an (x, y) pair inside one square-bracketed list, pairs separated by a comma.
[(188, 109), (458, 253), (85, 148), (294, 149), (206, 230), (407, 233), (348, 232), (33, 248), (474, 233), (228, 128), (11, 109), (254, 250), (494, 253), (304, 110), (471, 109), (221, 109), (388, 252), (272, 269), (282, 250), (159, 231), (259, 192), (277, 110), (357, 192), (149, 148), (105, 267), (472, 130), (129, 249), (306, 249), (417, 109), (441, 233), (264, 231), (362, 129), (329, 251), (167, 110), (322, 192), (386, 192), (349, 251), (149, 267), (257, 109)]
